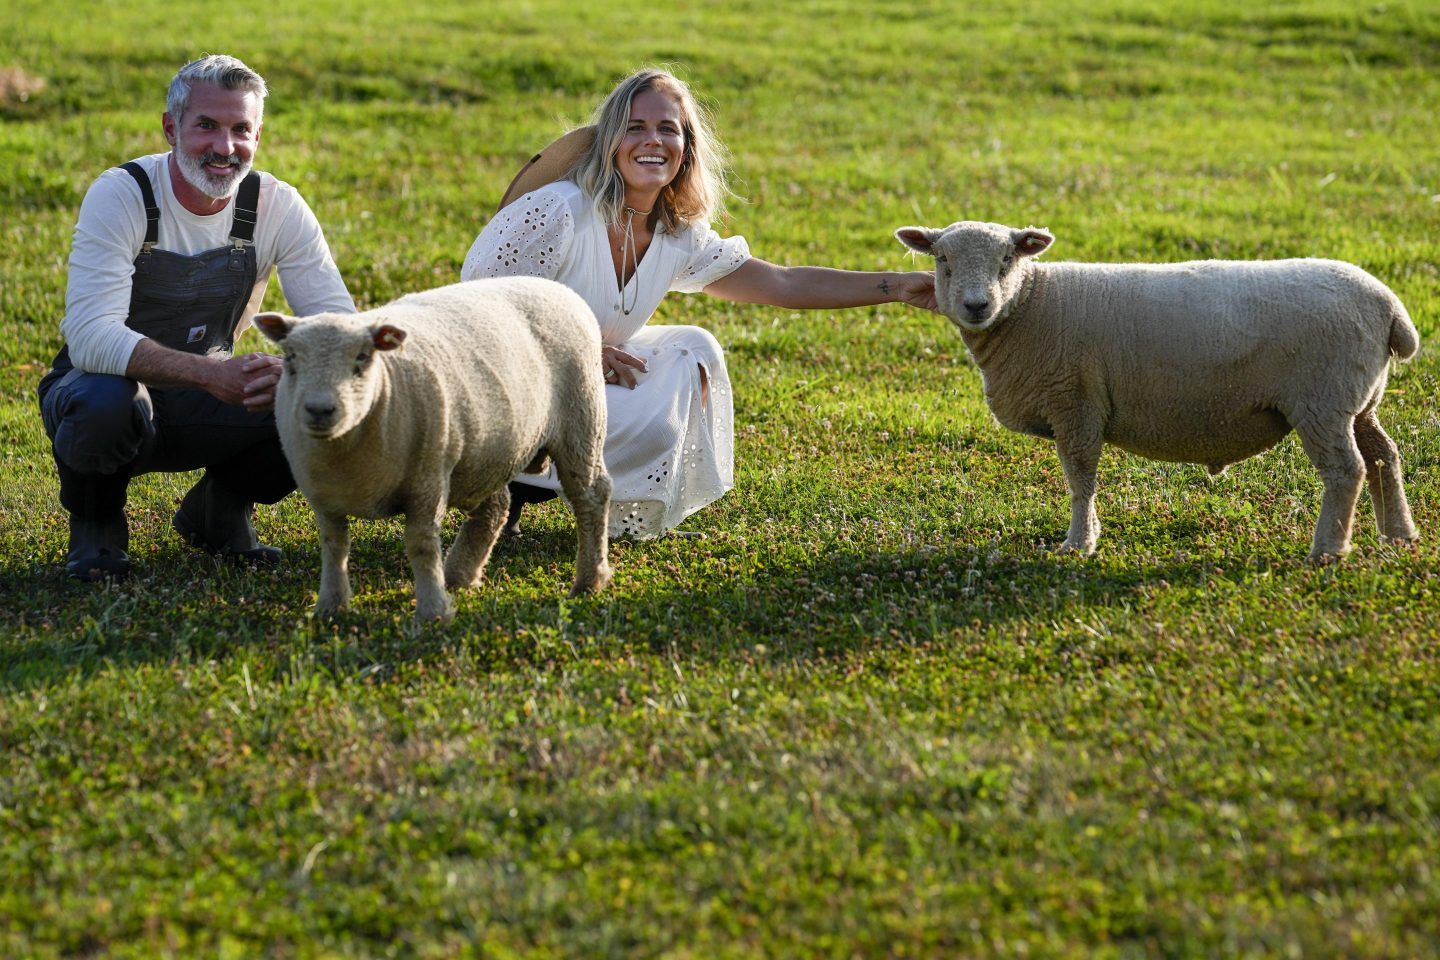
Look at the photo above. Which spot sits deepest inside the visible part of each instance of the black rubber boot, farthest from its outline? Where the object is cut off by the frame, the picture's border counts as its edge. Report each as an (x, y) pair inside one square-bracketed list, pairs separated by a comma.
[(521, 494), (98, 548), (99, 536), (218, 522)]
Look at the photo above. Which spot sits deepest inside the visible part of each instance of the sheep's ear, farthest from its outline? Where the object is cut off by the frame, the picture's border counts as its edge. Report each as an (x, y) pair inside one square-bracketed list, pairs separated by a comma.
[(919, 239), (1033, 241), (386, 337), (276, 326)]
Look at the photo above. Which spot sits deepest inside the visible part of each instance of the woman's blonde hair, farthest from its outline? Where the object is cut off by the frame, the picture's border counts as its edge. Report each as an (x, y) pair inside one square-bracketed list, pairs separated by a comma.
[(696, 195)]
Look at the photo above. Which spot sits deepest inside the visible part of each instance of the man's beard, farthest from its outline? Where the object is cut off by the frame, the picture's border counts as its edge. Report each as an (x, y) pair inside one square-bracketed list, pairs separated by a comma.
[(216, 187)]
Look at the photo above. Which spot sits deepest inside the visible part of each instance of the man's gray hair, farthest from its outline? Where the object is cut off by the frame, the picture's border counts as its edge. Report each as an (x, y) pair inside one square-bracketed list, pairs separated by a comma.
[(218, 70)]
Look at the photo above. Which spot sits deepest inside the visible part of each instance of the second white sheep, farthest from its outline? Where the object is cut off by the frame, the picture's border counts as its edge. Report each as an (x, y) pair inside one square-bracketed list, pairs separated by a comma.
[(1205, 362)]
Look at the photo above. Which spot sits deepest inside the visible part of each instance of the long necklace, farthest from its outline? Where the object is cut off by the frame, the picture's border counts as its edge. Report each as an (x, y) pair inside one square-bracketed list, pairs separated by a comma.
[(629, 253)]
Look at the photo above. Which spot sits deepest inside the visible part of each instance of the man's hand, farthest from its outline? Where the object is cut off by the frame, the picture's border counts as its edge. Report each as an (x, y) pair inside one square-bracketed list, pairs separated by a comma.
[(263, 371), (247, 380)]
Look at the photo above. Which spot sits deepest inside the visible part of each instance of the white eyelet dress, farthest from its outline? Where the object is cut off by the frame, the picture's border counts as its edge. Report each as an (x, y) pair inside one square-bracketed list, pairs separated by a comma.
[(668, 453)]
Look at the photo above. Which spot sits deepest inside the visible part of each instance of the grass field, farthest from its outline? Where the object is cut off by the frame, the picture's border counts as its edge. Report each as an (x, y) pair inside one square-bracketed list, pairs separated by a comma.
[(871, 714)]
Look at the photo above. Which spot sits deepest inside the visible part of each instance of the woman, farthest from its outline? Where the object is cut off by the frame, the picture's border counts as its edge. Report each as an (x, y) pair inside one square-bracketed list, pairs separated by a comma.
[(631, 222)]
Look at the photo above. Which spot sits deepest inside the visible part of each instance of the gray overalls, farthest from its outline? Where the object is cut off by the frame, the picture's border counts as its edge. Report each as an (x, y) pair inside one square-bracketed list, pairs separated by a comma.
[(105, 429)]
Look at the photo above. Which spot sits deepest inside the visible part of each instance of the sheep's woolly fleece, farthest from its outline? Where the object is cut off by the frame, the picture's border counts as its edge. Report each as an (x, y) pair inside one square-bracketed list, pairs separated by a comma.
[(1204, 362)]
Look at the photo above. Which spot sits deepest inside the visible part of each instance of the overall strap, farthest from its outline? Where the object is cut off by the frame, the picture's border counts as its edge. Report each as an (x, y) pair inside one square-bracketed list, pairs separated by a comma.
[(247, 203), (147, 196)]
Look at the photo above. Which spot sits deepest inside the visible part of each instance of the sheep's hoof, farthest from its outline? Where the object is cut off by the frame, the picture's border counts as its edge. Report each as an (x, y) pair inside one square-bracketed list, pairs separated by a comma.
[(1323, 558), (443, 615), (1078, 549), (330, 609), (462, 582), (591, 585)]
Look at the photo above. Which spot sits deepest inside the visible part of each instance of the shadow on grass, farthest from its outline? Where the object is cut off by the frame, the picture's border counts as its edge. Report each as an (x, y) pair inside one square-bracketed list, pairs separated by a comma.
[(711, 599)]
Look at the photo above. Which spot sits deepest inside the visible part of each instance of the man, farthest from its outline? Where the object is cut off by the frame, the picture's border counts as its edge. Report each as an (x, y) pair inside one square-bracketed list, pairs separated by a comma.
[(171, 257)]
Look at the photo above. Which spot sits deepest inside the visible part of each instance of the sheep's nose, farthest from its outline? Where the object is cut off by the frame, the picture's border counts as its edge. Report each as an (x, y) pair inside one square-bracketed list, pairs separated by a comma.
[(320, 411), (977, 307)]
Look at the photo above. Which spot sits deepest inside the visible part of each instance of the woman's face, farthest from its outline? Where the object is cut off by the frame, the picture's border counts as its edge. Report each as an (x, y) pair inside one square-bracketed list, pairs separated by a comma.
[(653, 145)]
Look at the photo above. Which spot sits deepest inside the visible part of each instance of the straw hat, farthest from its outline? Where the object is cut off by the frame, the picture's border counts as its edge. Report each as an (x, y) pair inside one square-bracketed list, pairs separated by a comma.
[(549, 165)]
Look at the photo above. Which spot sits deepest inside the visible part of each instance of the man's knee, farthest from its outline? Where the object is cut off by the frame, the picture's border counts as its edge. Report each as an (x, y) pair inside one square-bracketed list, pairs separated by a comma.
[(97, 422)]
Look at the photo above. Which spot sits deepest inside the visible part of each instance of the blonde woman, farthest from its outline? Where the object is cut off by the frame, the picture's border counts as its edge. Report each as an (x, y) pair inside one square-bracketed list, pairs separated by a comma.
[(629, 223)]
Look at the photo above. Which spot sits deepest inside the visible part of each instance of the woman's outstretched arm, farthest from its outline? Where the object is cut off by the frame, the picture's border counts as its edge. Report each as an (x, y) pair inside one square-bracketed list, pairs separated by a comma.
[(818, 288)]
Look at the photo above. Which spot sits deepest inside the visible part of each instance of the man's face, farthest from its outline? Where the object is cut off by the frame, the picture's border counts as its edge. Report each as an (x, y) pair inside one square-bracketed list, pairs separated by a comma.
[(215, 140)]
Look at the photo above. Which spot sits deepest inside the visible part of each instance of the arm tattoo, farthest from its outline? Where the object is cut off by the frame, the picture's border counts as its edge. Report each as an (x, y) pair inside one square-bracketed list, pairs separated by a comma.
[(885, 287)]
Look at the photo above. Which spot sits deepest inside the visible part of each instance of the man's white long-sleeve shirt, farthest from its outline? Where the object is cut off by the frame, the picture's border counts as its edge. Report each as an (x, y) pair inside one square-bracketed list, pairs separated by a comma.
[(111, 229)]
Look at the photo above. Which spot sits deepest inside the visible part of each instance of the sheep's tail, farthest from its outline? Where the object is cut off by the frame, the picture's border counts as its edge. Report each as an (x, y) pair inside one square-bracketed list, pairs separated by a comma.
[(1404, 338)]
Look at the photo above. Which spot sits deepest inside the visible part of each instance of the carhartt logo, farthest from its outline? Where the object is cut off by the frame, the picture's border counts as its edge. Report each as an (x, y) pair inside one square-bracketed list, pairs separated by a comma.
[(196, 335)]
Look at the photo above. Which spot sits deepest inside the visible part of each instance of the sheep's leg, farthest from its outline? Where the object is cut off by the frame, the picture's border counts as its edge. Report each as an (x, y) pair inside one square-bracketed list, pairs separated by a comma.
[(1080, 458), (334, 563), (465, 562), (589, 496), (1386, 478), (422, 546), (1332, 449)]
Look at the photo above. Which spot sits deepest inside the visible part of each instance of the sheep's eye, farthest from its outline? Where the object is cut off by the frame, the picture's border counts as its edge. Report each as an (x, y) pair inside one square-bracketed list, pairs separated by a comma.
[(1008, 259), (361, 362), (940, 258)]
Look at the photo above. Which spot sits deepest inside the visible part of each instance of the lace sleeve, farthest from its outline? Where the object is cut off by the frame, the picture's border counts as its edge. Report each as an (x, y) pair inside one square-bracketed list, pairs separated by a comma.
[(711, 257), (527, 238)]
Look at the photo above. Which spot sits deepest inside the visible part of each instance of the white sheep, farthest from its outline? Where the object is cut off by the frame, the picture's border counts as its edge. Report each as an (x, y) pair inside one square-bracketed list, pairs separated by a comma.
[(1205, 362), (435, 401)]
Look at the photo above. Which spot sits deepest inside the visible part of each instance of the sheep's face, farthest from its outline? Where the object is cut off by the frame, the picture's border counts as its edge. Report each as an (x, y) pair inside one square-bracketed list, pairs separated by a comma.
[(978, 267), (329, 382)]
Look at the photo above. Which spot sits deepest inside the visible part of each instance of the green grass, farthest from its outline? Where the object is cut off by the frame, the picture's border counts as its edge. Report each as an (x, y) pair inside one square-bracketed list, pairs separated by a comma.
[(871, 714)]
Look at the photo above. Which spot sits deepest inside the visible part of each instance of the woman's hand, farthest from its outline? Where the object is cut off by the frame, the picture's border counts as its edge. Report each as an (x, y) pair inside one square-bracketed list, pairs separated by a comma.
[(620, 367), (917, 288)]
